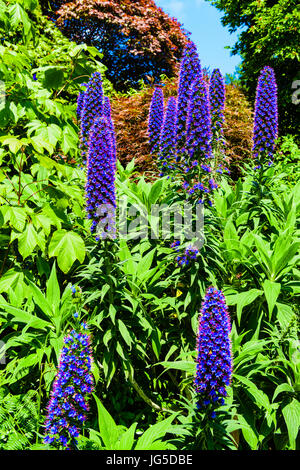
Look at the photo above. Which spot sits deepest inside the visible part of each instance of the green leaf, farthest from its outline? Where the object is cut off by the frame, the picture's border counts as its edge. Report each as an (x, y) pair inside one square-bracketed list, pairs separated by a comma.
[(155, 432), (282, 388), (187, 366), (291, 413), (249, 434), (14, 144), (242, 299), (67, 246), (145, 264), (272, 291), (107, 427), (155, 191), (285, 314), (125, 333), (10, 279), (40, 300), (24, 317), (260, 398), (17, 16), (127, 439), (53, 76), (28, 240), (53, 290)]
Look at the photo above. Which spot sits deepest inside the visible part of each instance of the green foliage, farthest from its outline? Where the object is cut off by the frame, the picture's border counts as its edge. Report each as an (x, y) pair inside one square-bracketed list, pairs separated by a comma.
[(141, 307), (270, 36), (18, 419)]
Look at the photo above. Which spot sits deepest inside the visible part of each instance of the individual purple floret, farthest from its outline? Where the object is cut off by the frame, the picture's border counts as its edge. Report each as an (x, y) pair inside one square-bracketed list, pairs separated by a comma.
[(100, 184), (92, 108), (73, 385), (199, 135), (217, 104), (190, 69), (214, 358), (156, 117), (265, 130), (167, 142)]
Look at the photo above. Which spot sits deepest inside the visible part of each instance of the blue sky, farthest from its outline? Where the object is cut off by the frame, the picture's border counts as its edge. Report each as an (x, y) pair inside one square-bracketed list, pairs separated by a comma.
[(204, 22)]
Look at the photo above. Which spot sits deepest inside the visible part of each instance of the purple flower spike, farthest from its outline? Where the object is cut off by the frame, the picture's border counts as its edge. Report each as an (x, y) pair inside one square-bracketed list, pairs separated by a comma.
[(72, 387), (217, 103), (100, 184), (265, 130), (214, 359), (190, 69), (199, 135), (92, 107), (107, 115), (167, 142), (156, 117)]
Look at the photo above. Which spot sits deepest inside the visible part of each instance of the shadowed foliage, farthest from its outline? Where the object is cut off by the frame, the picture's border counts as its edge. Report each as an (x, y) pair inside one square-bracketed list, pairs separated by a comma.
[(130, 114), (138, 39)]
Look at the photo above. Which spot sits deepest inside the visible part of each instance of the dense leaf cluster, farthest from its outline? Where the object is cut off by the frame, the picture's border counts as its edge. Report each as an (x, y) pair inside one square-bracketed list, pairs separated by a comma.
[(141, 306), (270, 36), (138, 39)]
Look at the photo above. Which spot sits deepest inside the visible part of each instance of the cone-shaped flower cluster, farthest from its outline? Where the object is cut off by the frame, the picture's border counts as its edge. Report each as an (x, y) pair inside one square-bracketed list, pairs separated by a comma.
[(190, 69), (107, 115), (217, 104), (167, 143), (199, 133), (265, 130), (71, 390), (214, 359), (100, 185), (187, 153), (156, 117), (92, 107)]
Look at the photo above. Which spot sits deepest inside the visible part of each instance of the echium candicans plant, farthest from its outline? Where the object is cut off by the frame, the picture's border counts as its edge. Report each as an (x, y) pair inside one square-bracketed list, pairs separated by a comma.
[(214, 356), (217, 106), (108, 116), (167, 141), (156, 117), (265, 129), (196, 164), (190, 69), (100, 182), (92, 108), (73, 385)]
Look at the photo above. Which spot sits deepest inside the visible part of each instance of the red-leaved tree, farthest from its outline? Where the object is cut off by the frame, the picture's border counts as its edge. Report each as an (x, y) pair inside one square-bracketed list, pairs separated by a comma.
[(138, 39)]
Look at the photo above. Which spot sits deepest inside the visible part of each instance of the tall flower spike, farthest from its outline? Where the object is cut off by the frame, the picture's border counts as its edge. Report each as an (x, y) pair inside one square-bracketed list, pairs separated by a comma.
[(265, 130), (71, 390), (167, 142), (214, 359), (189, 70), (156, 116), (100, 184), (92, 108), (199, 135), (107, 115), (217, 104)]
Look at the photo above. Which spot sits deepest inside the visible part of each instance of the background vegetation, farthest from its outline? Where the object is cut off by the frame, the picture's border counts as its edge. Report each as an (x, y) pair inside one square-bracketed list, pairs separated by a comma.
[(141, 308)]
